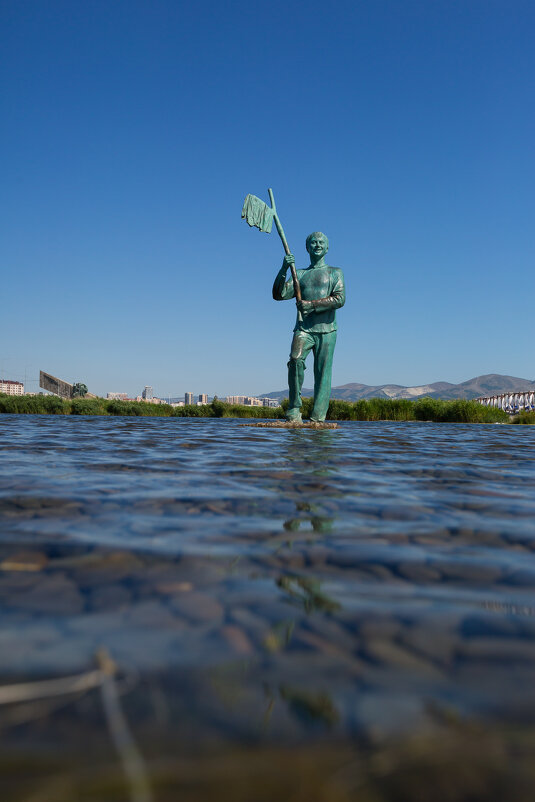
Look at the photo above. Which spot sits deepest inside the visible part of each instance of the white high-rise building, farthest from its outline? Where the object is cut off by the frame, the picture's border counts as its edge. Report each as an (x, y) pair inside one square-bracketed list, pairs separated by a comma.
[(147, 393), (188, 398), (203, 398)]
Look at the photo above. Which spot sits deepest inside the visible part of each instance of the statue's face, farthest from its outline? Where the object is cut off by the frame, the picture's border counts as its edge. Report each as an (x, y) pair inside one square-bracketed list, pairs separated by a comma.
[(317, 244)]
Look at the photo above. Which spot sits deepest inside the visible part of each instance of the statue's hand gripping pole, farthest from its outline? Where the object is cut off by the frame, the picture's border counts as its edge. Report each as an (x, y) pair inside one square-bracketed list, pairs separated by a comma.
[(280, 230)]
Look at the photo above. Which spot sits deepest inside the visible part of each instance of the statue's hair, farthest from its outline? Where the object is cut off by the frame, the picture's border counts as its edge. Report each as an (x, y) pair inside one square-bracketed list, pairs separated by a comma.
[(315, 234)]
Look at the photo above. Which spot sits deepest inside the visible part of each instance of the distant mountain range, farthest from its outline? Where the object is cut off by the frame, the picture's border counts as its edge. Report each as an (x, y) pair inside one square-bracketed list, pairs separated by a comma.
[(490, 384)]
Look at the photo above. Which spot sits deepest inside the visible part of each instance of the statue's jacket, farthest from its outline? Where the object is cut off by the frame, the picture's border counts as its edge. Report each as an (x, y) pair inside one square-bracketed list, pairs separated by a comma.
[(323, 285)]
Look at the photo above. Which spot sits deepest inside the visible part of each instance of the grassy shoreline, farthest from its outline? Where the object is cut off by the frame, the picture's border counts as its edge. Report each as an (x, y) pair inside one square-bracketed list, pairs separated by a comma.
[(374, 409)]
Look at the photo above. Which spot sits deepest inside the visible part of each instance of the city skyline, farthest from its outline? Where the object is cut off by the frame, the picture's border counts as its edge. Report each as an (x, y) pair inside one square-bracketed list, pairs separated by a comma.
[(134, 132), (47, 381), (484, 385)]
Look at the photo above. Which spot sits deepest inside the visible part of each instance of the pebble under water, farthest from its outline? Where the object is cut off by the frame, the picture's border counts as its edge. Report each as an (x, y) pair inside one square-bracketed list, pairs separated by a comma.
[(298, 615)]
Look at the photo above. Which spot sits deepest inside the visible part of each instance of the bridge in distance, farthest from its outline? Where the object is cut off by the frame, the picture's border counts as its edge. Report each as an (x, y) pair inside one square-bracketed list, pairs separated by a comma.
[(510, 402)]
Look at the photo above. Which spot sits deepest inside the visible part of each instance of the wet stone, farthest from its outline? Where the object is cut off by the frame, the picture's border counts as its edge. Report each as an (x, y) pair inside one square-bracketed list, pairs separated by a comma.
[(13, 582), (342, 559), (520, 578), (435, 643), (51, 595), (254, 625), (488, 627), (381, 714), (171, 588), (201, 570), (151, 613), (31, 507), (27, 638), (285, 560), (24, 561), (328, 628), (97, 624), (492, 650), (381, 572), (316, 555), (373, 626), (161, 571), (104, 568), (400, 513), (109, 597), (197, 607), (146, 649), (392, 654), (61, 657), (472, 573), (324, 645), (237, 639), (418, 572)]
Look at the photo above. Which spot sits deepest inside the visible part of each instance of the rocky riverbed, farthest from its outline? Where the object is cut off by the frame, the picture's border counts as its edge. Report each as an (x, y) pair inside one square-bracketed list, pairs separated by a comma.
[(333, 614)]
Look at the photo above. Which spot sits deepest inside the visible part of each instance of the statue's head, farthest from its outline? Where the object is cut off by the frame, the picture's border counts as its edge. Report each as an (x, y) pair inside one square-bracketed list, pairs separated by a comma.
[(317, 244)]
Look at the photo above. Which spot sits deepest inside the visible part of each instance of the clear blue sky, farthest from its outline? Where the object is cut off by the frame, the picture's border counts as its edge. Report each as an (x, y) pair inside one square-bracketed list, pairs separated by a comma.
[(131, 132)]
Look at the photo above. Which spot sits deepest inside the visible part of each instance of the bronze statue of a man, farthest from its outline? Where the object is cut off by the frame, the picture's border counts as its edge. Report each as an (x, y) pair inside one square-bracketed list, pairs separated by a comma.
[(323, 292)]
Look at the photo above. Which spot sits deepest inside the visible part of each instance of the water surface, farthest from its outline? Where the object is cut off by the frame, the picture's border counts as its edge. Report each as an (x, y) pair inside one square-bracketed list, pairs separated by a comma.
[(365, 585)]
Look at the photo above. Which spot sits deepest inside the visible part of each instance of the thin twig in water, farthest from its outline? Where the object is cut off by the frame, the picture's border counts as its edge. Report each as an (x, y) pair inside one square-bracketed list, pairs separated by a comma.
[(103, 677), (131, 758), (28, 691)]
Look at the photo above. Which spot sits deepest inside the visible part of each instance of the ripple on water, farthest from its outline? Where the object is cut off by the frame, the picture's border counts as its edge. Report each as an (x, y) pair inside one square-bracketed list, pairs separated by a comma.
[(362, 572)]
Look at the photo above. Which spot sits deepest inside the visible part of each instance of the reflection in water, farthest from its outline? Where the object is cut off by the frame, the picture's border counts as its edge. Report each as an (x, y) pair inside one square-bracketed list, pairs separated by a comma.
[(279, 636), (311, 456), (311, 708), (312, 453), (306, 591), (320, 524)]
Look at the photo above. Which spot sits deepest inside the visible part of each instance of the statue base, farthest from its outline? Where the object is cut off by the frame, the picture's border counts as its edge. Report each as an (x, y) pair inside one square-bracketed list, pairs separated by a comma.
[(290, 424)]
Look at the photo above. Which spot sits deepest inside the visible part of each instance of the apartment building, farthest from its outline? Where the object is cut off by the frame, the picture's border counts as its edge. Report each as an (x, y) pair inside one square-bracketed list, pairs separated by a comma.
[(10, 387)]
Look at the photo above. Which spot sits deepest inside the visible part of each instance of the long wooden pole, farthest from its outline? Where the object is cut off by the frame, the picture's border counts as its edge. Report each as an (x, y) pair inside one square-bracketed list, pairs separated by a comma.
[(280, 230)]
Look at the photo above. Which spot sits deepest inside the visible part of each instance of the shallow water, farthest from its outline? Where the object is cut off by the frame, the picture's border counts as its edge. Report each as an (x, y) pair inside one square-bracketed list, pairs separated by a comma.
[(268, 587)]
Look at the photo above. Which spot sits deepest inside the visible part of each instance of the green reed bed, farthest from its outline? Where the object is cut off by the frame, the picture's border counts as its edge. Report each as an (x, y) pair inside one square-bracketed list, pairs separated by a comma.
[(525, 417), (457, 411), (34, 404), (373, 409)]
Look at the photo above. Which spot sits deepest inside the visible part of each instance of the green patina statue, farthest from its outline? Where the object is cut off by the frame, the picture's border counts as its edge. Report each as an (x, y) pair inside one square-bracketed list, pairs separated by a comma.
[(322, 293), (79, 390), (319, 291)]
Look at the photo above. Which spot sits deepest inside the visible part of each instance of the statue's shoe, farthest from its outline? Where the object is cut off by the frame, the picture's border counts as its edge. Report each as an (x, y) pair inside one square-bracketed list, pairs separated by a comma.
[(294, 417)]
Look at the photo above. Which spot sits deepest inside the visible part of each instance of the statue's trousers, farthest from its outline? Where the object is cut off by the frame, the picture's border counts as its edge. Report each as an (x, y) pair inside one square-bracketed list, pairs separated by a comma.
[(322, 345)]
